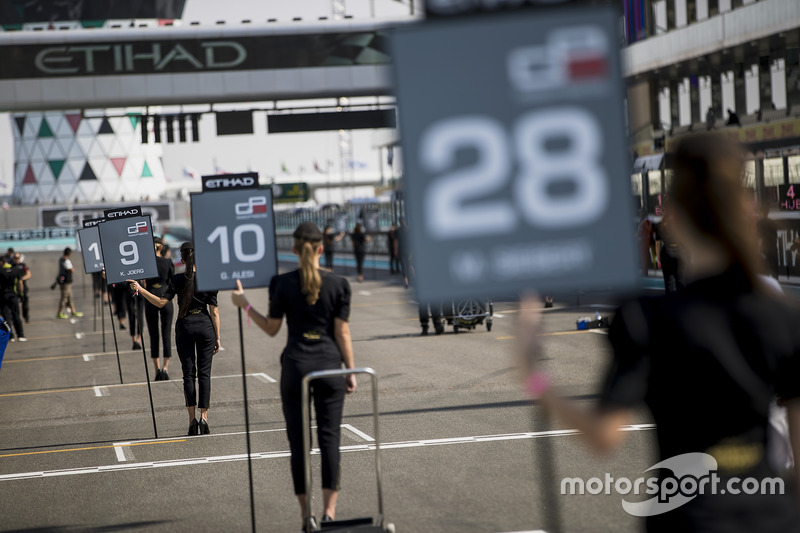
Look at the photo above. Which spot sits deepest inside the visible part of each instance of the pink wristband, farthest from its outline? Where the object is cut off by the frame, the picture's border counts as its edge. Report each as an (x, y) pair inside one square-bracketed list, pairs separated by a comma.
[(247, 312), (537, 383)]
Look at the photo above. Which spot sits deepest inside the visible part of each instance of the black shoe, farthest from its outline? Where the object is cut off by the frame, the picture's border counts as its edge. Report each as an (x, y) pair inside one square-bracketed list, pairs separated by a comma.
[(136, 346), (439, 328), (159, 375), (326, 518), (121, 326), (204, 429), (424, 331), (164, 375), (193, 428), (312, 523)]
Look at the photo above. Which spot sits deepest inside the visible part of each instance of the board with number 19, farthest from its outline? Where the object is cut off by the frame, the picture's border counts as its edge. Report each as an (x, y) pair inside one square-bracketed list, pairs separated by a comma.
[(516, 169)]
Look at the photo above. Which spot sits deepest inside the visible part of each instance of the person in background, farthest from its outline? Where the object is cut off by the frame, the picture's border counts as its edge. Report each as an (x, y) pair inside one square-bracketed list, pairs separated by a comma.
[(160, 333), (360, 241), (24, 274), (671, 255), (10, 288), (316, 304), (706, 361), (197, 335), (391, 243), (733, 119), (404, 251), (768, 239), (329, 240), (64, 278)]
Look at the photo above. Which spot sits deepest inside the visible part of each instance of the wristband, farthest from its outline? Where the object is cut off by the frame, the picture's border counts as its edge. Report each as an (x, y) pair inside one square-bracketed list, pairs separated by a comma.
[(537, 383), (247, 312)]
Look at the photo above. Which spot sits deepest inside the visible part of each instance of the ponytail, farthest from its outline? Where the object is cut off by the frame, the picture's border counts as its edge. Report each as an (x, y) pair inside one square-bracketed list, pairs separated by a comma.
[(310, 280), (187, 254)]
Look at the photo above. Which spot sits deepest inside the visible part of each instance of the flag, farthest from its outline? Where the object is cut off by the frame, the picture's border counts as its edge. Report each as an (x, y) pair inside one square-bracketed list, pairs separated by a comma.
[(284, 169), (356, 165), (316, 167), (189, 172), (219, 170)]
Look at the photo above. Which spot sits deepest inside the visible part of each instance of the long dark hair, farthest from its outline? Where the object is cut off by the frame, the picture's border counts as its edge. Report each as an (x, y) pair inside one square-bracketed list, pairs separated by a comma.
[(187, 254), (707, 188)]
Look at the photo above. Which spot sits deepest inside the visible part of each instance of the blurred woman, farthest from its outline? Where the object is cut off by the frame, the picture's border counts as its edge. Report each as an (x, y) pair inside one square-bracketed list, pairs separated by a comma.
[(360, 241), (706, 361), (317, 308), (329, 240), (197, 335)]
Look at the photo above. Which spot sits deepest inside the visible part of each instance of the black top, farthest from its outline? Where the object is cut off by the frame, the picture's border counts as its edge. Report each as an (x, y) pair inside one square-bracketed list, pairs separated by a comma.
[(359, 242), (9, 276), (200, 301), (166, 270), (707, 362), (311, 332)]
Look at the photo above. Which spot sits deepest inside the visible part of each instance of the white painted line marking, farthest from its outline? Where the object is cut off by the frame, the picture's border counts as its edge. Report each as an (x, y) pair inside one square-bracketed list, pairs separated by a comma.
[(122, 449), (79, 335), (365, 293), (87, 357), (599, 331), (264, 377), (283, 454), (98, 391), (358, 433), (498, 315)]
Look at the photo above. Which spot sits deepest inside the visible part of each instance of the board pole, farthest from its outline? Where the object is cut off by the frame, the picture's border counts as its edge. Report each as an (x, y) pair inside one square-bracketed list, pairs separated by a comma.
[(247, 426)]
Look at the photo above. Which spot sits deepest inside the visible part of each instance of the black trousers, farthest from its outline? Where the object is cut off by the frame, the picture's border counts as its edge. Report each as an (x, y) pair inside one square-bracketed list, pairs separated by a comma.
[(329, 259), (435, 313), (360, 262), (328, 395), (9, 308), (194, 339), (152, 315), (670, 266)]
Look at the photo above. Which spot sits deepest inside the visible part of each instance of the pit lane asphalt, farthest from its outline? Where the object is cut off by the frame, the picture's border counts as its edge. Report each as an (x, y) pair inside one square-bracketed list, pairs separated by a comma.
[(462, 445)]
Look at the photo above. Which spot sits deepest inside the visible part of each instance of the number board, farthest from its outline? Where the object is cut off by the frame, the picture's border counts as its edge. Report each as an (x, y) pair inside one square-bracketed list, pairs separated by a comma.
[(340, 222), (234, 238), (787, 198), (89, 240), (514, 153), (372, 222), (127, 248)]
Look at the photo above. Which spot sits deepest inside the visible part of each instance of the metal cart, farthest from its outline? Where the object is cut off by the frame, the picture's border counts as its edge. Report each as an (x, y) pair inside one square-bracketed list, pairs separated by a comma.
[(469, 313), (375, 524)]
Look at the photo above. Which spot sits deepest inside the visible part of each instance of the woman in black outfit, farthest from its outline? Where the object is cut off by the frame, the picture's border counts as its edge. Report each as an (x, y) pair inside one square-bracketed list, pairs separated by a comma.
[(706, 361), (317, 307), (153, 314), (360, 240), (196, 335), (329, 240)]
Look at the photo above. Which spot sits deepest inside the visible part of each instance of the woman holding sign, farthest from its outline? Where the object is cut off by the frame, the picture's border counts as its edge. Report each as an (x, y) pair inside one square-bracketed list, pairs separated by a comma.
[(317, 307), (196, 335), (707, 361)]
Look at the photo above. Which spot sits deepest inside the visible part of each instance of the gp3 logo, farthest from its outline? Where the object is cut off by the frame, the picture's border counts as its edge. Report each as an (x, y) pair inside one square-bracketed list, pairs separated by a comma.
[(140, 227), (256, 205)]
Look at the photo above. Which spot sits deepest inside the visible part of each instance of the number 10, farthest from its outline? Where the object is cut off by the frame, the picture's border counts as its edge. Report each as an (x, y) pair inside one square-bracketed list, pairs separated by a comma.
[(221, 233)]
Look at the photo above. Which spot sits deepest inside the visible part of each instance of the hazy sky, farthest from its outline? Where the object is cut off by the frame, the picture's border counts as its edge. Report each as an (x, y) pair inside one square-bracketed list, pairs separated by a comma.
[(259, 152)]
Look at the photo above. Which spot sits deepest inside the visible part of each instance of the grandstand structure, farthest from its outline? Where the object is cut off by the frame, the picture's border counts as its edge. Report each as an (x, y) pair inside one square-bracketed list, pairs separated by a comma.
[(698, 66)]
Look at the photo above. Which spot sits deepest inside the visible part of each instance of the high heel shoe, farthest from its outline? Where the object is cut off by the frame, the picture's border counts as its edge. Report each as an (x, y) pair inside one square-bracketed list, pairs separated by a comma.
[(204, 429), (193, 428)]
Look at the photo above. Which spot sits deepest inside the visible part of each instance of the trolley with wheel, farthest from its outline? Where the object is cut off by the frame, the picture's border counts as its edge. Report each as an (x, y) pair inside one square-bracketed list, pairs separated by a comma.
[(376, 524), (469, 314)]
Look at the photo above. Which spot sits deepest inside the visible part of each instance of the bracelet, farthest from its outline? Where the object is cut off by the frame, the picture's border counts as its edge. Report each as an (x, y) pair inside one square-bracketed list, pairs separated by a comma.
[(537, 383), (247, 312)]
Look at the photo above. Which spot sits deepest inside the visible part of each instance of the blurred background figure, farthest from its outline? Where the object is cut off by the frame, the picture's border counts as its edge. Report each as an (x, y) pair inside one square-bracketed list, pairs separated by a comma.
[(159, 319), (360, 240), (24, 274), (707, 361), (329, 240), (669, 252), (391, 243)]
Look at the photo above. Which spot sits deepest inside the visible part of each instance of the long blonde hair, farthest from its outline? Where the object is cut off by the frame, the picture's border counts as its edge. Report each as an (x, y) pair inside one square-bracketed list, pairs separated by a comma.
[(310, 280)]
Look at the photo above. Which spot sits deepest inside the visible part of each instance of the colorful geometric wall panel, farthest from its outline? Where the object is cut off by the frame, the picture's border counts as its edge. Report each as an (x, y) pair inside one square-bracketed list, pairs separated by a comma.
[(66, 157)]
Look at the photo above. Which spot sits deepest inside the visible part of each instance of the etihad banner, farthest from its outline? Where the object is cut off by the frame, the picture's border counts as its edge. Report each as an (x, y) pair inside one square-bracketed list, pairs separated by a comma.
[(193, 55)]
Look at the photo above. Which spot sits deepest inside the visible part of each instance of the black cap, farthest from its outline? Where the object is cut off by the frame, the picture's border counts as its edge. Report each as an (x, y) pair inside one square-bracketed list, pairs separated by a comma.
[(308, 231)]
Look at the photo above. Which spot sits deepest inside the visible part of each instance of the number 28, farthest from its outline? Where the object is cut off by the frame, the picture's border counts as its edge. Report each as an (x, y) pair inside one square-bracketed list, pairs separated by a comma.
[(454, 206)]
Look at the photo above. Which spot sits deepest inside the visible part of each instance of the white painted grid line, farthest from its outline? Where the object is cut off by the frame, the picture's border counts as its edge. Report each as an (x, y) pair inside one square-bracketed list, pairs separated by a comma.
[(283, 454), (358, 433)]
